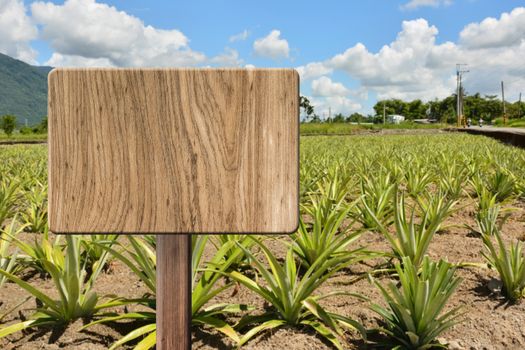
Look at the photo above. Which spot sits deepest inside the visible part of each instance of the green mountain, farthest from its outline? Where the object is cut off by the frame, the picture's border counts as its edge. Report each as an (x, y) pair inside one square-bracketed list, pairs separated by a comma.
[(23, 90)]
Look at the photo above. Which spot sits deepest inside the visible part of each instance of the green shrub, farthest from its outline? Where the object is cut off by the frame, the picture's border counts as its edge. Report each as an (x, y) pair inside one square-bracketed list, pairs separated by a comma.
[(411, 239), (414, 315), (509, 262), (77, 298), (291, 295)]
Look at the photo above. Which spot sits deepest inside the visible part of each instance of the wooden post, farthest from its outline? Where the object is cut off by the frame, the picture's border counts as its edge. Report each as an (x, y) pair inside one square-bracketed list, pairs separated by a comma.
[(173, 292)]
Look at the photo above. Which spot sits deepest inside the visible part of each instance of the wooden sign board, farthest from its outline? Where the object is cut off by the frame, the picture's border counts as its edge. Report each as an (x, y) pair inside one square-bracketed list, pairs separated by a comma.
[(179, 151), (173, 150)]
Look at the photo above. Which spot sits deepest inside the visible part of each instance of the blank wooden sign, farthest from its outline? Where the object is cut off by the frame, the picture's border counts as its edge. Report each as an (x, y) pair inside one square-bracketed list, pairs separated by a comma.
[(173, 150)]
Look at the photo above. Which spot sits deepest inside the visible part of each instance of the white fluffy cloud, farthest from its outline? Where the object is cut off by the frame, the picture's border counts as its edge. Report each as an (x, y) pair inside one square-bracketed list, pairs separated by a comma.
[(313, 70), (59, 60), (415, 66), (230, 58), (272, 46), (84, 32), (414, 4), (334, 105), (333, 97), (341, 104), (507, 31), (324, 86), (240, 36), (16, 31), (402, 69)]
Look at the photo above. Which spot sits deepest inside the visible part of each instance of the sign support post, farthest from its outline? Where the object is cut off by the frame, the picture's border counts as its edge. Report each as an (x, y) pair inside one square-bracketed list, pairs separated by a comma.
[(173, 292)]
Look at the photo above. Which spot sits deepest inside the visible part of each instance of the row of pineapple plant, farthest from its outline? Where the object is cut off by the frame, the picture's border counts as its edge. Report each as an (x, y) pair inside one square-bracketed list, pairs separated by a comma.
[(347, 188)]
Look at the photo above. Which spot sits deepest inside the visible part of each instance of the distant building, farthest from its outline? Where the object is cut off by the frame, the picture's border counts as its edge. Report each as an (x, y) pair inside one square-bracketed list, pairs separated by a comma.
[(395, 119)]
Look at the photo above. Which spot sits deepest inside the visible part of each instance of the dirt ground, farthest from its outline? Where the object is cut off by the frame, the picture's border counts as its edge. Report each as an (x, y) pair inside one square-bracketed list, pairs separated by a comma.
[(488, 323)]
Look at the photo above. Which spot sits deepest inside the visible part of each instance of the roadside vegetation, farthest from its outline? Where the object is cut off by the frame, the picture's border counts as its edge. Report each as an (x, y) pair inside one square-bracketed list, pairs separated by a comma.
[(9, 130), (351, 129)]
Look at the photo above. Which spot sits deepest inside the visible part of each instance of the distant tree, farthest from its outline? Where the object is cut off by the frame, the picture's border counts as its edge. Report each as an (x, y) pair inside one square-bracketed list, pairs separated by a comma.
[(26, 130), (42, 127), (473, 106), (8, 124), (432, 111), (381, 106), (516, 110), (338, 118), (399, 106), (445, 110), (304, 104), (488, 107), (377, 119), (315, 119), (416, 109), (491, 107), (355, 118), (393, 106)]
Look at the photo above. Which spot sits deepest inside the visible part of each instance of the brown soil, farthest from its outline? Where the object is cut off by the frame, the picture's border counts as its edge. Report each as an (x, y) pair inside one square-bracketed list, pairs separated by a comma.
[(488, 323)]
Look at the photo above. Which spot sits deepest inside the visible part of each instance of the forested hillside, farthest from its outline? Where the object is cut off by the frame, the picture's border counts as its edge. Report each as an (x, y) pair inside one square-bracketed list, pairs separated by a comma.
[(23, 90)]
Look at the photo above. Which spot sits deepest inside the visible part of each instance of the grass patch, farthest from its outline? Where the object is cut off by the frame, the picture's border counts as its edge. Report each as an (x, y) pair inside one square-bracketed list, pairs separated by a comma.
[(512, 123), (22, 137), (349, 129)]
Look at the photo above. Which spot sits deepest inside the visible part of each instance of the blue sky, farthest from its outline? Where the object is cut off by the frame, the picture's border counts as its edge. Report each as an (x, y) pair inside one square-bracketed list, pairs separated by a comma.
[(314, 29), (408, 48)]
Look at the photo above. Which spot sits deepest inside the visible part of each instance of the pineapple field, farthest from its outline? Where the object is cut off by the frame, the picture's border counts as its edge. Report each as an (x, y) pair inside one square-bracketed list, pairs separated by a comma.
[(405, 241)]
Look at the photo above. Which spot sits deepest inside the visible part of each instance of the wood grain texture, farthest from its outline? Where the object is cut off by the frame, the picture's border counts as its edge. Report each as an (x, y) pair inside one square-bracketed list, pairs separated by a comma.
[(173, 292), (173, 150)]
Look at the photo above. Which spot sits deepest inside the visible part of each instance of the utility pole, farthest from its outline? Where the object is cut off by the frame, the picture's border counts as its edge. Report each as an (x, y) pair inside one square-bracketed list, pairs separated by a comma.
[(459, 96), (384, 112), (519, 107), (330, 114), (503, 101)]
